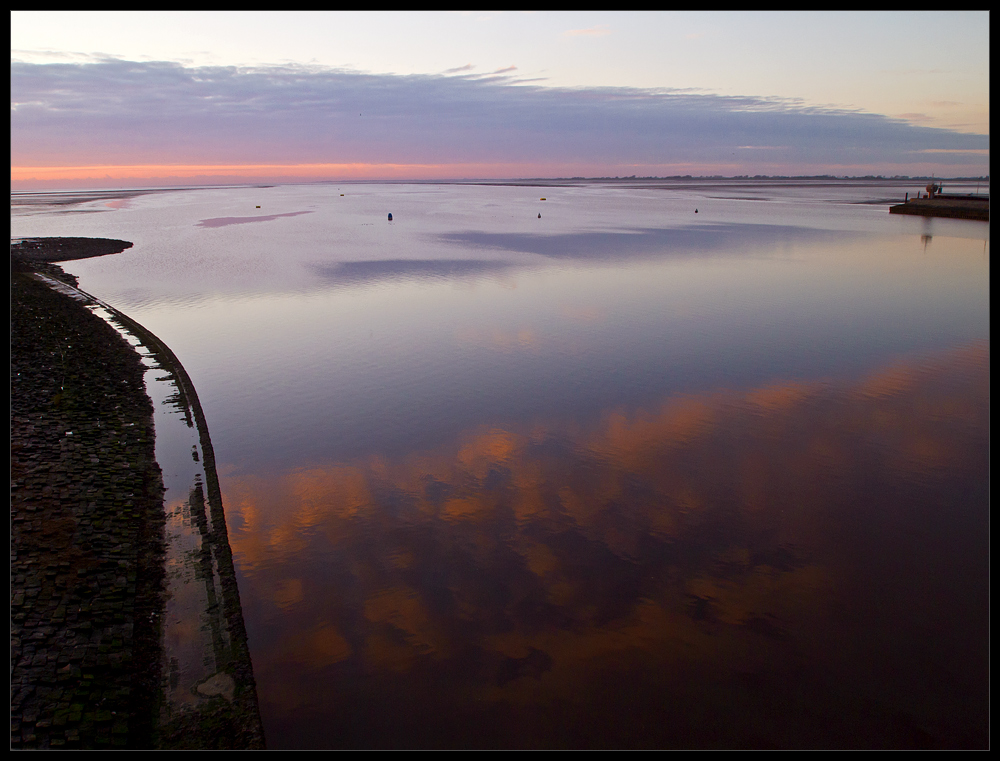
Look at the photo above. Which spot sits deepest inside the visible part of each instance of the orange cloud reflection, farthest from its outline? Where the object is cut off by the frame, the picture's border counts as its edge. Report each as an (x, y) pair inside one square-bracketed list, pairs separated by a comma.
[(711, 530)]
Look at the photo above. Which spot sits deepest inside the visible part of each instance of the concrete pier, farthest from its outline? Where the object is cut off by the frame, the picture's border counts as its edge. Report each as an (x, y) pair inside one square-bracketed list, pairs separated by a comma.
[(956, 207)]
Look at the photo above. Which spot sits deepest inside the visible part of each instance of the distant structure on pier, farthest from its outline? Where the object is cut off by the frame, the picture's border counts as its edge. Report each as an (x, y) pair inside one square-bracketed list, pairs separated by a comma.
[(936, 203)]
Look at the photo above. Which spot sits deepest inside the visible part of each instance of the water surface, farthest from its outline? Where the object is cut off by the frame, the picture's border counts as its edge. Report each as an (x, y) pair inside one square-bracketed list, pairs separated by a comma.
[(621, 475)]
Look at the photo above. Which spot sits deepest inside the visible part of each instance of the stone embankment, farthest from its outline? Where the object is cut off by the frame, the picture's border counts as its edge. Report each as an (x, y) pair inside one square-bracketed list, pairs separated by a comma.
[(86, 530), (87, 538)]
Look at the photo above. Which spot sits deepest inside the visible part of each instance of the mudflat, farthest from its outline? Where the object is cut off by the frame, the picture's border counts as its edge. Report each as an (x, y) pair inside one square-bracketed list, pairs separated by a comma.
[(33, 250)]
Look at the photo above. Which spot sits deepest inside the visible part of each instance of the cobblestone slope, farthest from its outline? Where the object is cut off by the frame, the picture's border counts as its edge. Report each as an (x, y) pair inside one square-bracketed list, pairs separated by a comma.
[(86, 530)]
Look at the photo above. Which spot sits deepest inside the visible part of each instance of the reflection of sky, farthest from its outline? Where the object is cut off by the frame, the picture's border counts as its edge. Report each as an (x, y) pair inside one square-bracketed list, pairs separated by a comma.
[(168, 261), (801, 545), (614, 247), (361, 370), (475, 442), (226, 221), (346, 334)]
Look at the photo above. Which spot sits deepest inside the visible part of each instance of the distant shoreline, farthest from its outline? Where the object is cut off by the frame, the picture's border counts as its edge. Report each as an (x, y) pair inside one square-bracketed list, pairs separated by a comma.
[(57, 195)]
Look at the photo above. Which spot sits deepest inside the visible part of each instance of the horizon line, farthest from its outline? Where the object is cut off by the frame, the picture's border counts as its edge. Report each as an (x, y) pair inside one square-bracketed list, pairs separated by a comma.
[(499, 180)]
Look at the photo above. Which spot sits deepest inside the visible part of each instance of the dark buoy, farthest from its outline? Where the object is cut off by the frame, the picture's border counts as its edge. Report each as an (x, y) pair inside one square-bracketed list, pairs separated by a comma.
[(695, 211), (390, 216), (539, 215)]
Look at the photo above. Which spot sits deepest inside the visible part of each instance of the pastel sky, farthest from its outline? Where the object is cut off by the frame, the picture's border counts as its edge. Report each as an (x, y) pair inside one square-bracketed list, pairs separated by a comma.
[(141, 98)]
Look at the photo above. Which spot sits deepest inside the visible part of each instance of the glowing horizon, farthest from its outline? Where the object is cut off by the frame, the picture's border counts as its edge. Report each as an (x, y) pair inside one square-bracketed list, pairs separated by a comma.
[(136, 175)]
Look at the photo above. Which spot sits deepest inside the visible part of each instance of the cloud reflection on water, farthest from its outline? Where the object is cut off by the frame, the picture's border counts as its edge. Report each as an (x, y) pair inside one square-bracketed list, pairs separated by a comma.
[(616, 245), (607, 246), (361, 272), (226, 221), (819, 550)]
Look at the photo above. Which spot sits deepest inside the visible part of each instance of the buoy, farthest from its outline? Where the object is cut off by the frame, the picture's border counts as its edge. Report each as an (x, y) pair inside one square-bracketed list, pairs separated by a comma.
[(539, 215), (390, 216), (695, 211)]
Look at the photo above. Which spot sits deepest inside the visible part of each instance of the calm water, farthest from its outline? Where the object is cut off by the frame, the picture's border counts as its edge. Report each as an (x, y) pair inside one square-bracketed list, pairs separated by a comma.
[(619, 475)]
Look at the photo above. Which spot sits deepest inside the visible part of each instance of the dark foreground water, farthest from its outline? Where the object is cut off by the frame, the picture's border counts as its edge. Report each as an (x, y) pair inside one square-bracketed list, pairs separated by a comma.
[(621, 475)]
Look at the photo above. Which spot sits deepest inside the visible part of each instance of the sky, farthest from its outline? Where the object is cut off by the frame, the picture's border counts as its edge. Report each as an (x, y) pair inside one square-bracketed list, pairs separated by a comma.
[(108, 99)]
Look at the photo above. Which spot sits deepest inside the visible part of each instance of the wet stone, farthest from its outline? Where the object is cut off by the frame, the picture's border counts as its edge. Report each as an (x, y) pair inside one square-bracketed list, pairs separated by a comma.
[(87, 544), (61, 529)]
